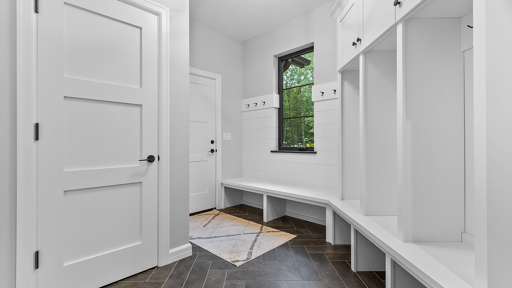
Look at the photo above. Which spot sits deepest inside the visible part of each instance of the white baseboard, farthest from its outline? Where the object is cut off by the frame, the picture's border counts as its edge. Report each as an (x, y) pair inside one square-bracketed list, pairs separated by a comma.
[(252, 204), (180, 252), (305, 217), (468, 239)]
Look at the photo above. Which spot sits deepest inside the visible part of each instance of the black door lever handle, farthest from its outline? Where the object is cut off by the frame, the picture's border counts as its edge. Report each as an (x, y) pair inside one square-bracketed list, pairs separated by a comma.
[(150, 159)]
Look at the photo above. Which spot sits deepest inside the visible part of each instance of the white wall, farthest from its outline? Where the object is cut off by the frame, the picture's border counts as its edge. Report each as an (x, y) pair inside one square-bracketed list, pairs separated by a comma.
[(215, 52), (7, 143), (493, 157), (179, 74), (260, 127), (316, 26)]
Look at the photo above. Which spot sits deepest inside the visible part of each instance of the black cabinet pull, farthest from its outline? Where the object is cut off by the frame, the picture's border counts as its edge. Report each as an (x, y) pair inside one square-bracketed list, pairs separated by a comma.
[(354, 44), (358, 40), (397, 3)]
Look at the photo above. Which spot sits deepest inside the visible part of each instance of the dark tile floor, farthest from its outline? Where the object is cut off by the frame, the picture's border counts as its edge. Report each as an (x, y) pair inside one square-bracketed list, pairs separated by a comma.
[(305, 262)]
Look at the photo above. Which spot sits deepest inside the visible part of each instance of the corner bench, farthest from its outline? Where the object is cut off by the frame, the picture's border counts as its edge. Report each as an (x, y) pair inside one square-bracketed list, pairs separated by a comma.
[(374, 241)]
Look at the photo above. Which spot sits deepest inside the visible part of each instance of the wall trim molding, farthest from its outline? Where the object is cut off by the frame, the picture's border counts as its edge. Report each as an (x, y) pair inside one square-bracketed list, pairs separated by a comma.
[(305, 217), (252, 204), (180, 252)]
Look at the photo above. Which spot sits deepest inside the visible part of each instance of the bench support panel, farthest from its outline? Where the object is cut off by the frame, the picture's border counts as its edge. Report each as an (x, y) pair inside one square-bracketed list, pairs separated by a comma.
[(273, 208), (342, 231), (398, 277), (366, 256), (231, 197)]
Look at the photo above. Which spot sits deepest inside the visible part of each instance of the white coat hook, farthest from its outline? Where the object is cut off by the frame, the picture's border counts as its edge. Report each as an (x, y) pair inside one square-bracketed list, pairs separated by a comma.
[(263, 103), (247, 105), (322, 93), (334, 90), (255, 104)]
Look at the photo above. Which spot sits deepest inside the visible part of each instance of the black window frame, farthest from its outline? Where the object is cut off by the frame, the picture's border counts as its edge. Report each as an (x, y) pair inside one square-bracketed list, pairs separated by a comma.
[(282, 148)]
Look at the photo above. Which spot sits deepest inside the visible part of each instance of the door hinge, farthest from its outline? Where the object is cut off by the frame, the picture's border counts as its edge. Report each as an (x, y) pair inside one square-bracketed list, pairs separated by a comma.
[(36, 260), (36, 131), (36, 6)]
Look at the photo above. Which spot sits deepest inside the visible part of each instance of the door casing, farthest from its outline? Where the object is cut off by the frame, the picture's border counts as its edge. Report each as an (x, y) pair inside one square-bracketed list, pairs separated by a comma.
[(218, 127), (26, 168)]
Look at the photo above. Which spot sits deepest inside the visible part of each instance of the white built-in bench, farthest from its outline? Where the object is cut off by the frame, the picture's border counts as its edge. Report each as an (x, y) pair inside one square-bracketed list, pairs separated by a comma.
[(374, 239)]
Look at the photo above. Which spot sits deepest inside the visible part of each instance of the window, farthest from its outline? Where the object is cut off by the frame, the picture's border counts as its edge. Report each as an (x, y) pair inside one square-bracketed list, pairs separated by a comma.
[(296, 112)]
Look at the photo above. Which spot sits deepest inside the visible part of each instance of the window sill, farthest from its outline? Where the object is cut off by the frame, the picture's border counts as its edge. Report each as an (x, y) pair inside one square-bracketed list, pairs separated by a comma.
[(293, 151)]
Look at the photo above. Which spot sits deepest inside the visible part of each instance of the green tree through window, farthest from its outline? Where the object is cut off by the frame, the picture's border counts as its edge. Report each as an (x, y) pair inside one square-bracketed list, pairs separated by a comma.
[(296, 115)]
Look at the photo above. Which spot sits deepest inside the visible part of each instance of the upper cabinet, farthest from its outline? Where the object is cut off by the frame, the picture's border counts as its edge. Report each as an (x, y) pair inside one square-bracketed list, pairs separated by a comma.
[(348, 33), (403, 7), (377, 17), (361, 22)]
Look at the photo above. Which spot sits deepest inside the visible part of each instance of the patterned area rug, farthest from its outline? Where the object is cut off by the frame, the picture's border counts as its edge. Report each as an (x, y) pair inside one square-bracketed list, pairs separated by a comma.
[(234, 239)]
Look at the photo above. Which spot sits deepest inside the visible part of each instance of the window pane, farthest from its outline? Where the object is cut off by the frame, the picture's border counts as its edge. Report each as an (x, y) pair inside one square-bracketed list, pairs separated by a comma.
[(298, 110), (298, 132)]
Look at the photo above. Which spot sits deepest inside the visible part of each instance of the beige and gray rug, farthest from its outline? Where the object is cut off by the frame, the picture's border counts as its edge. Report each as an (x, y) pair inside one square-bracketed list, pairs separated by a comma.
[(234, 239)]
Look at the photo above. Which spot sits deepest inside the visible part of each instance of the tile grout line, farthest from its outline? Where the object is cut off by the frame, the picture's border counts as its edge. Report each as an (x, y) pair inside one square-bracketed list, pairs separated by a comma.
[(172, 270), (151, 274), (342, 281), (374, 272), (191, 267), (225, 277), (206, 278), (364, 283), (316, 268)]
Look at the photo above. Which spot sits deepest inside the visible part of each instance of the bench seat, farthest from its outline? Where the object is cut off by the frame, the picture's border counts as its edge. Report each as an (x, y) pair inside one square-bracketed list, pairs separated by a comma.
[(432, 264)]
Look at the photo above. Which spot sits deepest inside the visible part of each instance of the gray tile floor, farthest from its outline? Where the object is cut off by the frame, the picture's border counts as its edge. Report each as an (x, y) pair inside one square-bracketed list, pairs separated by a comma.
[(305, 262)]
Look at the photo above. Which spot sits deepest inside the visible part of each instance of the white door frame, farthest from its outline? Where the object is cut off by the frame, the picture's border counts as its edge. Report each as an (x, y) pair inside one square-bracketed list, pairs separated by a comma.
[(26, 168), (218, 125)]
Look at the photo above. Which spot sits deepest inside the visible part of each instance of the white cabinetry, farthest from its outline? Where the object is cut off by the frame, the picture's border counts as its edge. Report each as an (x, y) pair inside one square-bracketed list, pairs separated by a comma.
[(361, 22), (348, 33), (403, 7), (378, 16)]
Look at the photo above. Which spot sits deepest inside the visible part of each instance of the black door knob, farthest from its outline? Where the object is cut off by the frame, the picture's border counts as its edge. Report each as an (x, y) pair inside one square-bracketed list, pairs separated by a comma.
[(358, 40), (354, 44), (212, 151), (150, 159), (397, 3), (212, 141)]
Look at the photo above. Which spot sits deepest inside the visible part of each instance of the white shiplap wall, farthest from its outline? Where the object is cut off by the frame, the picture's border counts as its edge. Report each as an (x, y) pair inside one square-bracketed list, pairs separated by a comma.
[(321, 170)]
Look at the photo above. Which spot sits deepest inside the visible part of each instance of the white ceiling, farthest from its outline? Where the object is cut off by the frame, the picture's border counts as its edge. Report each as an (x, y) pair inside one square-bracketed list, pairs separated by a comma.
[(244, 19)]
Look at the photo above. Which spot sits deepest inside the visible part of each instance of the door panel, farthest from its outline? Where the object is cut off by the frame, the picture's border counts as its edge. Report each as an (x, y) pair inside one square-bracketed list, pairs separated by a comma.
[(348, 33), (97, 106), (378, 16), (202, 132)]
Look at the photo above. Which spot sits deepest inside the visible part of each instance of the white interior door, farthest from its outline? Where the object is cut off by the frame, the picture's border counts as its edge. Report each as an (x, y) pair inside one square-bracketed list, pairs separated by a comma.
[(97, 107), (202, 143)]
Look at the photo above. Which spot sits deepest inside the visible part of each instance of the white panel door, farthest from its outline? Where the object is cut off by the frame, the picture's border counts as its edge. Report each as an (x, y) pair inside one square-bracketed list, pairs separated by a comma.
[(202, 143), (97, 107)]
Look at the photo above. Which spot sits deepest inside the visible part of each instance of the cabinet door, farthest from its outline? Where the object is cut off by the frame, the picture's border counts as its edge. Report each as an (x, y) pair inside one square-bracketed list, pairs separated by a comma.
[(405, 7), (348, 32), (378, 16)]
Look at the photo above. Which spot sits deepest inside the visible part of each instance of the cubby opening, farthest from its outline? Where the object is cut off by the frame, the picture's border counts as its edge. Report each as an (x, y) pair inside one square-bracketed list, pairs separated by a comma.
[(350, 132), (378, 120), (366, 256)]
